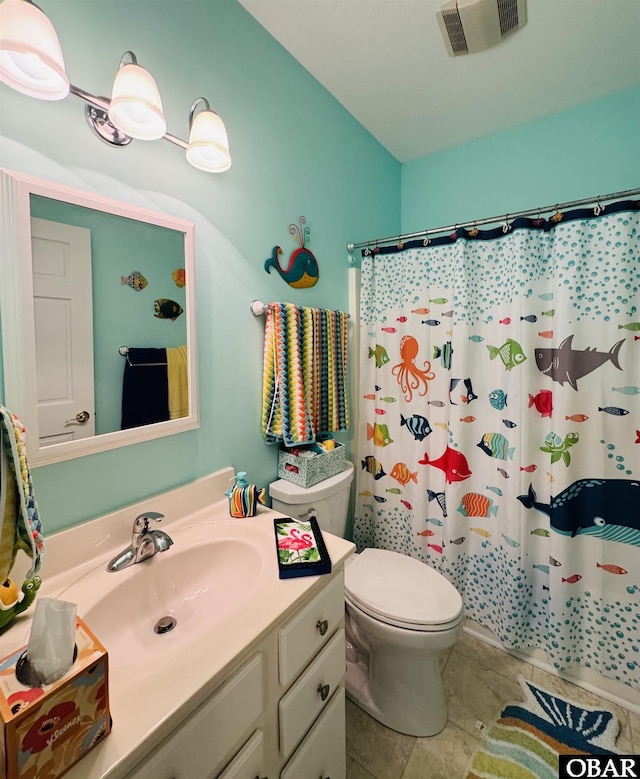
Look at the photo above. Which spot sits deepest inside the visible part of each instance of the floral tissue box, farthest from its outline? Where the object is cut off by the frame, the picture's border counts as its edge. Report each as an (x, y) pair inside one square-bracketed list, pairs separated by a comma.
[(45, 730)]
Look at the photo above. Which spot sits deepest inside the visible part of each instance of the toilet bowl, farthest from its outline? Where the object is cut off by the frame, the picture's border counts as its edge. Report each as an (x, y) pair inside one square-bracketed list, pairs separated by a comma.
[(401, 615)]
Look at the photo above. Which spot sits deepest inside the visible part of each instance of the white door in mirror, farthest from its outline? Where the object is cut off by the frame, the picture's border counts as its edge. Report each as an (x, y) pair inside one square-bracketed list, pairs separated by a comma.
[(61, 257)]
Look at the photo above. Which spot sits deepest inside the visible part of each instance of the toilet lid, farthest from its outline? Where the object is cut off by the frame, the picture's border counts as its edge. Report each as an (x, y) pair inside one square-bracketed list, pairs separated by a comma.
[(401, 590)]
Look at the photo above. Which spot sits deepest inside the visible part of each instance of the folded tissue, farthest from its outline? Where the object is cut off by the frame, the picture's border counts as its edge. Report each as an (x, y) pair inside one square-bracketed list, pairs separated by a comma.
[(50, 651)]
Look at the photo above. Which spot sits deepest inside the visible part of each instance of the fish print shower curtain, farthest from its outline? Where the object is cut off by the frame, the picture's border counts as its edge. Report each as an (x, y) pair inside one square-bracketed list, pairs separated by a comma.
[(499, 437)]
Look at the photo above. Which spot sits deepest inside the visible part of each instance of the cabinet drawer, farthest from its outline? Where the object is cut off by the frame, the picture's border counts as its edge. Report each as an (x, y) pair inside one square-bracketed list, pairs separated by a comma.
[(199, 747), (249, 762), (304, 635), (311, 693), (323, 752)]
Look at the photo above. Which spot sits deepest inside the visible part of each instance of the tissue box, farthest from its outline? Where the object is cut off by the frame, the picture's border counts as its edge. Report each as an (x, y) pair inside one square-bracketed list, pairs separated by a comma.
[(307, 471), (45, 730)]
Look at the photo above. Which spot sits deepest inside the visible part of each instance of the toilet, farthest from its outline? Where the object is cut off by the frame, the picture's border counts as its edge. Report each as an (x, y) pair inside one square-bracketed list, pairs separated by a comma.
[(401, 615)]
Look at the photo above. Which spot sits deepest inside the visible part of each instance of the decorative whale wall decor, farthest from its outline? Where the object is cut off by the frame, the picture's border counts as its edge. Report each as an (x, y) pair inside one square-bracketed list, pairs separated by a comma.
[(302, 271)]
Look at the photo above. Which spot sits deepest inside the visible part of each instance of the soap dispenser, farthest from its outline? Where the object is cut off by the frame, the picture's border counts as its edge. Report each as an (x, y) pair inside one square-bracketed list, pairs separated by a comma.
[(243, 497)]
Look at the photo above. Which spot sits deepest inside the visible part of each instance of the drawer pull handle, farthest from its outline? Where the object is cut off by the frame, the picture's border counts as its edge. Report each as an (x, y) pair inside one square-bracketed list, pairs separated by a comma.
[(323, 626), (324, 690)]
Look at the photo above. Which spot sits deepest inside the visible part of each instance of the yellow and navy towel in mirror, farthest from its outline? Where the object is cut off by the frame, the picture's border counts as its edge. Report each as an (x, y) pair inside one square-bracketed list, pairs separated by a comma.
[(178, 381), (304, 389), (20, 526)]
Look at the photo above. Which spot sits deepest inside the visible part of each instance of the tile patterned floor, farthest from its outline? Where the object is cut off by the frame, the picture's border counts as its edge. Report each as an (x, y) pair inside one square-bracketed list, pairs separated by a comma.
[(478, 679)]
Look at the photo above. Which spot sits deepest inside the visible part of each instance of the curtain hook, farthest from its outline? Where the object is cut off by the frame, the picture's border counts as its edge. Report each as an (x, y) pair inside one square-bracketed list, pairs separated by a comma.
[(557, 217), (400, 244), (506, 227), (426, 240), (474, 231), (454, 234), (598, 208)]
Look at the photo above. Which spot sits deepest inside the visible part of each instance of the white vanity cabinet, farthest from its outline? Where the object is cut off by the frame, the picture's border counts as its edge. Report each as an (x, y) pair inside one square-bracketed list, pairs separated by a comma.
[(211, 730), (311, 651), (280, 714)]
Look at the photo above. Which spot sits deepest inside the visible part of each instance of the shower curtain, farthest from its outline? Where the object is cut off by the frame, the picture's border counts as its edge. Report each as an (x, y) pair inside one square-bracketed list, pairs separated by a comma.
[(499, 436)]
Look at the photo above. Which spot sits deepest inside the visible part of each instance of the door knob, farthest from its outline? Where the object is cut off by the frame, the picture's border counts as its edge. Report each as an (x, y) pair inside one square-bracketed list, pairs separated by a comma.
[(81, 417)]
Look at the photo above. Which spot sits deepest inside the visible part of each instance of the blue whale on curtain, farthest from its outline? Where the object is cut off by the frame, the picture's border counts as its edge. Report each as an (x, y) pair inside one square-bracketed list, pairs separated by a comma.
[(608, 508)]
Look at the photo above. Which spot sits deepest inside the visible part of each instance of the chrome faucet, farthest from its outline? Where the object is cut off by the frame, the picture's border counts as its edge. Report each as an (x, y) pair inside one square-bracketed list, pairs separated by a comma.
[(144, 542)]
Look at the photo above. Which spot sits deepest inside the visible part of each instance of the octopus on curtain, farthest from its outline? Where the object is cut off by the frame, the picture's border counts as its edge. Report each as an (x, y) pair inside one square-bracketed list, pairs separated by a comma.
[(409, 376)]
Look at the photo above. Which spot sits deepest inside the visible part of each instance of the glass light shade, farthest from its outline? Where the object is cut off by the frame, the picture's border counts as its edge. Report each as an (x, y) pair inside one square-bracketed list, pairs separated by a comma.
[(136, 108), (208, 143), (31, 59)]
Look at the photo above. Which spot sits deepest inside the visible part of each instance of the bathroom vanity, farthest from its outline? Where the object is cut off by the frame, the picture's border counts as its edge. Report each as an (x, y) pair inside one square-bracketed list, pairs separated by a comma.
[(250, 682)]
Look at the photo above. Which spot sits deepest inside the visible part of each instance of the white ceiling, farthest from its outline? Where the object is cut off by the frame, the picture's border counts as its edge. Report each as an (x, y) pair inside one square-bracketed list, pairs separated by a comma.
[(386, 62)]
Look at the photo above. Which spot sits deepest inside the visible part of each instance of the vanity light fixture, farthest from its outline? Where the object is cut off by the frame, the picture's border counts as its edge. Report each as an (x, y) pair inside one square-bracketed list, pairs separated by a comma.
[(30, 55), (136, 108), (208, 147), (31, 62)]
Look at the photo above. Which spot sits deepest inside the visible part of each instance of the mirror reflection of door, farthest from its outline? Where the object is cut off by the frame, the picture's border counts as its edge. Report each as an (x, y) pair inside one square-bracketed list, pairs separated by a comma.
[(63, 330)]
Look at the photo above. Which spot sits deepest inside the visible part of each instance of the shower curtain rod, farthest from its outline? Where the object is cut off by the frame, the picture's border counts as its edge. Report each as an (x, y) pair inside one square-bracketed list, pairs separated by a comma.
[(504, 218)]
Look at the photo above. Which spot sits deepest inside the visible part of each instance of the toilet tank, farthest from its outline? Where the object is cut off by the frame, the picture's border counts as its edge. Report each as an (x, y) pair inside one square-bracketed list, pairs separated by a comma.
[(330, 499)]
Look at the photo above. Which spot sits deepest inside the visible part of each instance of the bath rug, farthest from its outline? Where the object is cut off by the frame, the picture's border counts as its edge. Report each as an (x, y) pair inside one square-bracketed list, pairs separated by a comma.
[(528, 737)]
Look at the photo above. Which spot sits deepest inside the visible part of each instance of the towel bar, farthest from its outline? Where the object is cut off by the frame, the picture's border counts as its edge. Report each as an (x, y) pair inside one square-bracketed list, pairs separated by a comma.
[(258, 308), (124, 351)]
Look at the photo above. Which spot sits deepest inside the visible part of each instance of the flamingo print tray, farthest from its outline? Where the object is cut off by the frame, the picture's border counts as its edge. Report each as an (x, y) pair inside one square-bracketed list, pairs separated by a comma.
[(301, 548)]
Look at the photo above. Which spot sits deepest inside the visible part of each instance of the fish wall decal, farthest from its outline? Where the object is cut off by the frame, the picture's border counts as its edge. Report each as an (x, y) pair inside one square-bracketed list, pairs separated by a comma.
[(135, 280), (566, 364), (166, 309)]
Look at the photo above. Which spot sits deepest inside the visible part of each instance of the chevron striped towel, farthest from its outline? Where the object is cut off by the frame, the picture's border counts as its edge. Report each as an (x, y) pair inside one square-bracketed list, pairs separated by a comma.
[(304, 382), (20, 526)]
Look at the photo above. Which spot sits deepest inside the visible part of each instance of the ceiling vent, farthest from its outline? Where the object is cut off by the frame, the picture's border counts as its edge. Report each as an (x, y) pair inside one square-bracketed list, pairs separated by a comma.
[(469, 26)]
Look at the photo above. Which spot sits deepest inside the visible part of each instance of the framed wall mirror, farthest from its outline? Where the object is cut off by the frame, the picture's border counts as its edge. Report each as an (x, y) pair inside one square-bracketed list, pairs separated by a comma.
[(98, 319)]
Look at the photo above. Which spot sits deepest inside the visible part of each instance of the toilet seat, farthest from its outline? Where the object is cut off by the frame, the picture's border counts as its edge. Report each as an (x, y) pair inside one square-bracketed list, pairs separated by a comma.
[(401, 591)]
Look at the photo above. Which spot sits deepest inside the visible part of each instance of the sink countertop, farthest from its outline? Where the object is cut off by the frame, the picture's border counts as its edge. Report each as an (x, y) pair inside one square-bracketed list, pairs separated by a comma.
[(145, 713)]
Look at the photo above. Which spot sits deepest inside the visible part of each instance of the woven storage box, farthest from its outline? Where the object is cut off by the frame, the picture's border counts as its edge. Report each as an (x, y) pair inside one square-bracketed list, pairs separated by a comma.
[(307, 471)]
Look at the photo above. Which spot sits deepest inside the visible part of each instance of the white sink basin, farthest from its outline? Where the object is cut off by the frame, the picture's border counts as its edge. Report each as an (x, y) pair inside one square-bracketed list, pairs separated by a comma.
[(199, 582)]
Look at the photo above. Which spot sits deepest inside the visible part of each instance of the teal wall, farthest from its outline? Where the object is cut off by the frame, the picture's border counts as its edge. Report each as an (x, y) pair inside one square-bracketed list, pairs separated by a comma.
[(123, 316), (295, 151), (581, 152)]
